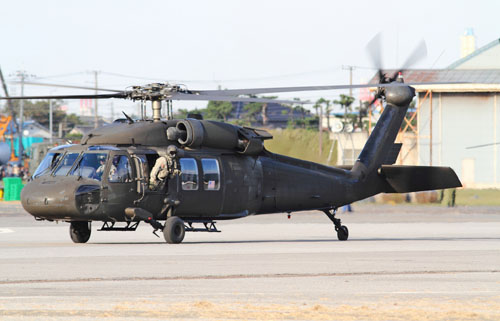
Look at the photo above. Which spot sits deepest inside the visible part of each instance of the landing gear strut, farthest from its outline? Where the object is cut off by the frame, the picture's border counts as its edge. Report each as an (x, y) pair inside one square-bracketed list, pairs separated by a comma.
[(342, 231), (80, 231)]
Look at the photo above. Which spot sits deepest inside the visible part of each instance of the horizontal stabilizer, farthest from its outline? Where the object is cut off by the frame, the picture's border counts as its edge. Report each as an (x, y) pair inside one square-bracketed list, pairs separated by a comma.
[(405, 179)]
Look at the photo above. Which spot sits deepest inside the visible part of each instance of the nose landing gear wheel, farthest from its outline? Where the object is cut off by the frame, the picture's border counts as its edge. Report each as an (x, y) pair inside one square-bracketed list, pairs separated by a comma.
[(342, 233), (80, 231), (174, 230)]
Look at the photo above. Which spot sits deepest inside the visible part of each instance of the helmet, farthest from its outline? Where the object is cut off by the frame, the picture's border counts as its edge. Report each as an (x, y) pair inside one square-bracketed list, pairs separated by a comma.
[(171, 150)]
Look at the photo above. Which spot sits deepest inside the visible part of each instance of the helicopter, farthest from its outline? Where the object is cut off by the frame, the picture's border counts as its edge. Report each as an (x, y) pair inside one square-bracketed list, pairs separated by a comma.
[(225, 172)]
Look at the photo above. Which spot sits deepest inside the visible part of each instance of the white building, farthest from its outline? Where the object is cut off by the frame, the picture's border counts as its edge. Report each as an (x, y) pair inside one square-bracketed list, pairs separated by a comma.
[(459, 125)]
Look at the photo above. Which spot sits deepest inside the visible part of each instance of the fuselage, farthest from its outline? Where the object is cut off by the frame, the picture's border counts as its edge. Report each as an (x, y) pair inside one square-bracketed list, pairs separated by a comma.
[(77, 184)]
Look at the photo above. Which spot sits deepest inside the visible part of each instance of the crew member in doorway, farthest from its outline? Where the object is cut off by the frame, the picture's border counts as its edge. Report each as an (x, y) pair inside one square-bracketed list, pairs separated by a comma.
[(166, 166)]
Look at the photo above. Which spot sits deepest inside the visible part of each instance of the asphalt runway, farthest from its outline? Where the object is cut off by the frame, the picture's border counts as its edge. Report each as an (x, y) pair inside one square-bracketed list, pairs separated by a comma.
[(400, 263)]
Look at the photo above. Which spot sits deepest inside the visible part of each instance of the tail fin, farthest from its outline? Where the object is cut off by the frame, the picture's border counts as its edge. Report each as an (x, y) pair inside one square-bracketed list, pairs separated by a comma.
[(382, 138)]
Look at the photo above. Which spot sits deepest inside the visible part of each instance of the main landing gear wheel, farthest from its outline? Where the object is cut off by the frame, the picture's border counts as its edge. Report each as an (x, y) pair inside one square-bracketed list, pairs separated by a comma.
[(174, 230), (80, 231), (342, 233)]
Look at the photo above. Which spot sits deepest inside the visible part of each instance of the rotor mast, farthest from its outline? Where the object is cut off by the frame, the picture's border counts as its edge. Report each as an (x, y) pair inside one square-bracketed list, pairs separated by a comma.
[(156, 103)]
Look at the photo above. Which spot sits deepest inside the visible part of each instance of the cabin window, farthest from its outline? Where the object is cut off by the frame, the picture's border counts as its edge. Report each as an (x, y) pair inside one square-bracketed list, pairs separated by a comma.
[(66, 164), (189, 176), (48, 163), (211, 174), (91, 165), (120, 170)]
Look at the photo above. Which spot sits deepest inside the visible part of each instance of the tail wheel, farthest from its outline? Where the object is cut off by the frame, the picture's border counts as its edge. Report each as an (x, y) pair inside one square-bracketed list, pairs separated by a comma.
[(80, 231), (343, 233), (174, 230)]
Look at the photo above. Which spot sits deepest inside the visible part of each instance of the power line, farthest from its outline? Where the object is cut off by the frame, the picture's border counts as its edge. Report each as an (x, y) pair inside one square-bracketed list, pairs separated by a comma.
[(130, 76), (290, 75), (62, 75)]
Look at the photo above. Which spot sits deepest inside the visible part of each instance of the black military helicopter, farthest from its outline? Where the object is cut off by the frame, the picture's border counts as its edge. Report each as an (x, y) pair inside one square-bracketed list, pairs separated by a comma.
[(226, 173)]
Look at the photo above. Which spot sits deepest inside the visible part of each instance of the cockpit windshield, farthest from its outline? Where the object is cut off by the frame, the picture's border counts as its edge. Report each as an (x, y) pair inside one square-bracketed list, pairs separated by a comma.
[(47, 165), (65, 164), (91, 165)]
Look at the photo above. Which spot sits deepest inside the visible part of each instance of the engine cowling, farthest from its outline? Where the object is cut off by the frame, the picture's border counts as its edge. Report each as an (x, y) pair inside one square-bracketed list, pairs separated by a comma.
[(195, 133)]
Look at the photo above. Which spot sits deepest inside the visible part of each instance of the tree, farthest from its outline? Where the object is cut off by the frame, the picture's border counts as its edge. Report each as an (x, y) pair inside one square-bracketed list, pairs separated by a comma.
[(328, 108), (293, 109), (39, 112), (345, 101), (253, 109), (219, 109), (183, 112)]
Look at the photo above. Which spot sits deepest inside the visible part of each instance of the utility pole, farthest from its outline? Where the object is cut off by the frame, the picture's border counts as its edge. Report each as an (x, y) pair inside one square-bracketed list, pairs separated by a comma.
[(350, 68), (96, 117), (112, 111), (51, 117), (22, 75), (50, 120), (320, 130)]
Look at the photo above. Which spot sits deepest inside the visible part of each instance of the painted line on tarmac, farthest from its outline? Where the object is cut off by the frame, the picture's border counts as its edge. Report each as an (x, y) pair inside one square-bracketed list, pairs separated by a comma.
[(6, 230), (434, 292), (244, 276)]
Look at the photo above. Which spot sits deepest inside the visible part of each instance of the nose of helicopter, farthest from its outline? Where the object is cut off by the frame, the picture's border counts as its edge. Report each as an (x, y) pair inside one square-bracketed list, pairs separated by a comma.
[(51, 199)]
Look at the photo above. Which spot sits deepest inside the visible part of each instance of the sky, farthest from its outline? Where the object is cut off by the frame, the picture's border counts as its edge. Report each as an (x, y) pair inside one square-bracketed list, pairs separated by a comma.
[(232, 44)]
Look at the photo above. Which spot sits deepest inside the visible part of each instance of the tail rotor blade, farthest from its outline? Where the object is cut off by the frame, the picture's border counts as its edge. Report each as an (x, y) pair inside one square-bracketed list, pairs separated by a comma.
[(374, 49), (419, 53)]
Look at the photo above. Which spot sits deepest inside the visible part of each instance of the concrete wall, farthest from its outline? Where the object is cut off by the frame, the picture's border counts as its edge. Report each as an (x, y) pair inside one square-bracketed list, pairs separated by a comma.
[(461, 120), (349, 145)]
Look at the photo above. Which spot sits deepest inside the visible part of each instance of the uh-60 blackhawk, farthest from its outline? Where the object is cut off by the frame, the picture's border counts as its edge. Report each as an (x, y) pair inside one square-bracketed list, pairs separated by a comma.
[(225, 171), (219, 171)]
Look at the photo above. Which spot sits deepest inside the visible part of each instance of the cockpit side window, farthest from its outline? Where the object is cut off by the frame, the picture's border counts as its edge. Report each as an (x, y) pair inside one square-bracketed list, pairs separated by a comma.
[(120, 170), (91, 165), (47, 165), (66, 164)]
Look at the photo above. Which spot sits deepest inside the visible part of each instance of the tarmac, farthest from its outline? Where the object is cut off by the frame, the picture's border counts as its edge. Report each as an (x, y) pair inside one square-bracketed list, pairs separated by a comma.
[(400, 263)]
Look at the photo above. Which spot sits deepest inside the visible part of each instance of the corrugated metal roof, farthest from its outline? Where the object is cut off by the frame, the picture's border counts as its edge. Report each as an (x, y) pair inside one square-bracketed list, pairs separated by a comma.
[(473, 76)]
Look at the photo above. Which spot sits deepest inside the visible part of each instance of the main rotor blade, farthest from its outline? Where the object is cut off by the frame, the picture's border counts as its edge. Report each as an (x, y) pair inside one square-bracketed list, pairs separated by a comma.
[(64, 86), (182, 96), (483, 145), (101, 96), (255, 91)]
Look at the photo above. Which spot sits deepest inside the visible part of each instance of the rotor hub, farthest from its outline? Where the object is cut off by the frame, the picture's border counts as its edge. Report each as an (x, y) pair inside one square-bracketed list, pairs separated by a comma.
[(155, 91)]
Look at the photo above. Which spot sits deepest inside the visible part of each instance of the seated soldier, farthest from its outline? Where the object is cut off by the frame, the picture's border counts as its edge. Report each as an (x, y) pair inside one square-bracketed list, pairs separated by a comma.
[(100, 169), (112, 176)]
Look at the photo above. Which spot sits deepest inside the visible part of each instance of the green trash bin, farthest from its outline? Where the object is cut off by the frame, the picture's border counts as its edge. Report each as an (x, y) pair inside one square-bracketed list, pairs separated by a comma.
[(12, 187)]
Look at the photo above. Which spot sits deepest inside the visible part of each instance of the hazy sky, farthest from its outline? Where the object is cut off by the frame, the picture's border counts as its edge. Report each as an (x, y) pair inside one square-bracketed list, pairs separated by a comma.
[(230, 43)]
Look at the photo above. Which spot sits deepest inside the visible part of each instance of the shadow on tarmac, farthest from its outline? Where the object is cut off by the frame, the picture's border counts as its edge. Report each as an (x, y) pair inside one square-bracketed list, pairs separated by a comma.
[(311, 240)]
